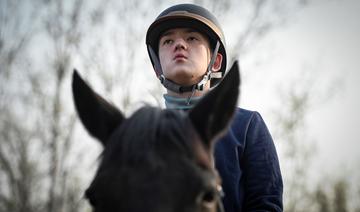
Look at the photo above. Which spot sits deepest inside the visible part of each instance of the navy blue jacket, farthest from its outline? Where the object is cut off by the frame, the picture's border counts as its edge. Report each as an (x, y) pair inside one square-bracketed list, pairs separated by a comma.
[(247, 162)]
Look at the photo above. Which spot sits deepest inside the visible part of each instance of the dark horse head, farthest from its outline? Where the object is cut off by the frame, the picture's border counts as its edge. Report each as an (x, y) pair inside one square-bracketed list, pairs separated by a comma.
[(157, 160)]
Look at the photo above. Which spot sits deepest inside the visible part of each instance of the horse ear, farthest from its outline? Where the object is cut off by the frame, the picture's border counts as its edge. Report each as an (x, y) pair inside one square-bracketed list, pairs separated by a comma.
[(98, 116), (213, 113)]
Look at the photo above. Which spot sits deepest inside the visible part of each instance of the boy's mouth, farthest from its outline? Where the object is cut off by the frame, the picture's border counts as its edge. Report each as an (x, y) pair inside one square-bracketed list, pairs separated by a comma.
[(179, 56)]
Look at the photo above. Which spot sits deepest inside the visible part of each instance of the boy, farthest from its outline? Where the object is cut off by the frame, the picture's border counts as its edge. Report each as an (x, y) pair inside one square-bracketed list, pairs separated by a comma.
[(187, 49)]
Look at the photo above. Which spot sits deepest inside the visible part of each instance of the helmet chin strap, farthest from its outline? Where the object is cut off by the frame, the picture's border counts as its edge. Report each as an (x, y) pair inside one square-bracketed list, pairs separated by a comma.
[(179, 88)]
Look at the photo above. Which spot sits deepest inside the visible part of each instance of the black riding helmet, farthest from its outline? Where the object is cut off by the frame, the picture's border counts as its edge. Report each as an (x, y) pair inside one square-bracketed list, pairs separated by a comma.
[(186, 16)]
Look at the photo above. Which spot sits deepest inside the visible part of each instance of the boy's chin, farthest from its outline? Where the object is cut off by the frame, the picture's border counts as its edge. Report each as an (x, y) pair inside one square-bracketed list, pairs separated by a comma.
[(183, 79), (183, 75)]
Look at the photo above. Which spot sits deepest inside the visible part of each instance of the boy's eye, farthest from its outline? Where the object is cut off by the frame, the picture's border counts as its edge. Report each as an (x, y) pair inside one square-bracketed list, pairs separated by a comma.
[(167, 41), (192, 38)]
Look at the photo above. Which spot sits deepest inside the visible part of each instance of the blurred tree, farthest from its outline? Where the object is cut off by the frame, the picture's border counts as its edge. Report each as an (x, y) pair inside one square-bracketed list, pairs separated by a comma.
[(36, 128), (322, 200), (296, 155), (18, 170), (340, 196), (299, 97), (357, 197), (62, 28)]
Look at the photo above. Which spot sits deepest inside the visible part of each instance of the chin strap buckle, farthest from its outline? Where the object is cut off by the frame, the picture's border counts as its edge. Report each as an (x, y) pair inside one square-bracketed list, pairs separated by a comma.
[(209, 74), (201, 85)]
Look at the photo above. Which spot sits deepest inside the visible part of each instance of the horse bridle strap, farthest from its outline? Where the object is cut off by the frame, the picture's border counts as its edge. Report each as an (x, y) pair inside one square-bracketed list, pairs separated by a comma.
[(220, 206)]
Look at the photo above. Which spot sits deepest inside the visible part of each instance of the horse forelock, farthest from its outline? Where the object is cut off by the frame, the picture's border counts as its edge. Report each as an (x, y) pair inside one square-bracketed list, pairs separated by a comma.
[(147, 135)]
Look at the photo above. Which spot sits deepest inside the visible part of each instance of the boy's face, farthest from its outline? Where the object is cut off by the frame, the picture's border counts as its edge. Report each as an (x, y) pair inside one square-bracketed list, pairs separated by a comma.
[(184, 55)]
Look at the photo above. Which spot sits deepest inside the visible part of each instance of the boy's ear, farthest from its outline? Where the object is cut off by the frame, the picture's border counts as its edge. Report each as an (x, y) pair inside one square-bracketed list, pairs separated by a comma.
[(217, 64), (98, 116), (213, 113)]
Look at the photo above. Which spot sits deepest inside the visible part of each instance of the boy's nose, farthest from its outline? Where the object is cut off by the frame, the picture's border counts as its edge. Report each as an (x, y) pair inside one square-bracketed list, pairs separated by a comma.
[(180, 44)]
